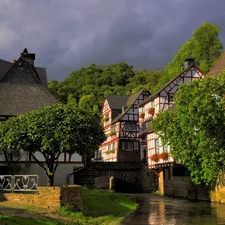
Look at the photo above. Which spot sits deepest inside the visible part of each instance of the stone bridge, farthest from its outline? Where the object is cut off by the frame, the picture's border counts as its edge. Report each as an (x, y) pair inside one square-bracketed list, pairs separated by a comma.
[(136, 174)]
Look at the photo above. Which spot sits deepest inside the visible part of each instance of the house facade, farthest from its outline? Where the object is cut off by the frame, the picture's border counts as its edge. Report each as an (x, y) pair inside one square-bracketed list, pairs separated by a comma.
[(120, 120), (23, 87), (158, 155)]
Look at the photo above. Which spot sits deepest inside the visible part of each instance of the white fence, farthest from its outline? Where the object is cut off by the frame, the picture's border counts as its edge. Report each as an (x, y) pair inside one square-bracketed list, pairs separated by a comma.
[(18, 183)]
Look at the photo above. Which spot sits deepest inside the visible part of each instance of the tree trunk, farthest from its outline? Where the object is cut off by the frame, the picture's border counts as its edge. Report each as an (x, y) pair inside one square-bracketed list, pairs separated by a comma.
[(50, 181)]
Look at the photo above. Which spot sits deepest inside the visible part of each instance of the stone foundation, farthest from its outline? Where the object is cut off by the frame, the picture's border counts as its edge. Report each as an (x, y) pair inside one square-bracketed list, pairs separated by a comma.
[(181, 186), (48, 197)]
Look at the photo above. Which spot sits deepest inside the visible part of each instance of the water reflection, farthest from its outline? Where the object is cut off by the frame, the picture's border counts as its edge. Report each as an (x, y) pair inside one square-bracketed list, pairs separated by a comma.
[(160, 210)]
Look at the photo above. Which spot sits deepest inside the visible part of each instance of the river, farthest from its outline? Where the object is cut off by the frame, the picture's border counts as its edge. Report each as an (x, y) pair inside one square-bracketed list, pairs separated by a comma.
[(163, 210)]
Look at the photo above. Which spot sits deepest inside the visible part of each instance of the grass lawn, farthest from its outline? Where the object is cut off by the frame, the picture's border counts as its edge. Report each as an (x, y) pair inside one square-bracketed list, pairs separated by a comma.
[(99, 208)]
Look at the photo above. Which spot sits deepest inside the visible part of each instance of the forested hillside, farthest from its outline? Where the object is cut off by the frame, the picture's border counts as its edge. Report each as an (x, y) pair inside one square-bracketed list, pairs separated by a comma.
[(88, 86)]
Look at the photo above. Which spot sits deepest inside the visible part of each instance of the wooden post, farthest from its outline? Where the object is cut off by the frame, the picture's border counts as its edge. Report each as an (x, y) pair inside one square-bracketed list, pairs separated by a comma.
[(110, 182)]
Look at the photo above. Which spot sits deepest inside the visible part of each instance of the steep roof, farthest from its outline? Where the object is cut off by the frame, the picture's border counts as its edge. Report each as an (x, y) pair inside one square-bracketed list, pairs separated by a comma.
[(219, 66), (117, 102), (5, 66), (21, 89), (131, 100)]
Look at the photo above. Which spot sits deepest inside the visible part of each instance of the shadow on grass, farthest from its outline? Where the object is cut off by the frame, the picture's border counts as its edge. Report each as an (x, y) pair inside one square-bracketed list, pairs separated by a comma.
[(12, 213)]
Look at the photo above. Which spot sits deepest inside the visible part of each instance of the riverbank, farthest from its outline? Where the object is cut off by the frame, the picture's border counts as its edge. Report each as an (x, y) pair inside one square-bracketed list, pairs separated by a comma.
[(99, 208)]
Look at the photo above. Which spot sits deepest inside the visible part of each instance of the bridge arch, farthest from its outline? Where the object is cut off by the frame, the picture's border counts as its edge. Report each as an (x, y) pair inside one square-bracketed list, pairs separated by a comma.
[(132, 181), (136, 175)]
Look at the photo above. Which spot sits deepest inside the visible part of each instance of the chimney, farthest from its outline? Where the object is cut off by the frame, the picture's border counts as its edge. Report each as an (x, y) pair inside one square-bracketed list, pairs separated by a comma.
[(188, 62), (29, 57)]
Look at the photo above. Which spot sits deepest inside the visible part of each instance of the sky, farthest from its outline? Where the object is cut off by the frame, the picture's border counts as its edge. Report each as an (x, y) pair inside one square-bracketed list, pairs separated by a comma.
[(70, 34)]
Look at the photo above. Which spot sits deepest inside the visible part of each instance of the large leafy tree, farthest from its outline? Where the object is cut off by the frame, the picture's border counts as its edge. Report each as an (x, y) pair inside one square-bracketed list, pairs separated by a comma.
[(52, 131), (205, 47), (195, 130)]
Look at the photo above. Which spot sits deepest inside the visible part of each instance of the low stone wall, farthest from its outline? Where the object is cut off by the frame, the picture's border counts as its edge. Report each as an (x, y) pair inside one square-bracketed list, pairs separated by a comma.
[(48, 197)]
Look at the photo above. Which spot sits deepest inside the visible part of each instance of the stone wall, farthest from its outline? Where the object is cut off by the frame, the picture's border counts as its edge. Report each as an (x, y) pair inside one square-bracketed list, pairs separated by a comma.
[(181, 186), (148, 180), (128, 156), (48, 197)]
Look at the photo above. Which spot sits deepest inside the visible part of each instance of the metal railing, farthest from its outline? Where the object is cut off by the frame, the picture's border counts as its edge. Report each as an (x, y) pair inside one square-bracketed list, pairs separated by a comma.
[(18, 183)]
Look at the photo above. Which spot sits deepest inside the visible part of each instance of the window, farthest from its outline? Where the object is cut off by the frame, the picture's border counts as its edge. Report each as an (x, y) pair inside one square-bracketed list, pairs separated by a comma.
[(143, 126), (165, 148), (111, 146), (136, 145), (170, 97), (130, 126), (113, 128), (156, 145), (152, 104), (130, 145)]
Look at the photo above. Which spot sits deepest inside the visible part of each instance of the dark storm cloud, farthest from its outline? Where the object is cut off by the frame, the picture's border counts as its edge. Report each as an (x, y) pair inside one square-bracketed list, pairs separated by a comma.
[(67, 35)]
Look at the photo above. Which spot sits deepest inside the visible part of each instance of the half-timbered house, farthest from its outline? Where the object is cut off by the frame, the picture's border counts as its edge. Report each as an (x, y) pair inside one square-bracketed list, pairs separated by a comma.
[(158, 155), (23, 87), (120, 122)]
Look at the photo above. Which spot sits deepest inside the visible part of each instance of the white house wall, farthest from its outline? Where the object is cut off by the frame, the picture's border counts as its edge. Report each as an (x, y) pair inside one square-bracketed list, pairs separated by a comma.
[(151, 151), (63, 157), (73, 158), (63, 173), (161, 103)]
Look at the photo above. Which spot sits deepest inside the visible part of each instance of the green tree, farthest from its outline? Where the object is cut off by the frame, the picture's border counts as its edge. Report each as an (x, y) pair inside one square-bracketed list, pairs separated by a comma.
[(12, 156), (144, 79), (208, 46), (86, 101), (205, 47), (53, 86), (195, 130), (51, 131)]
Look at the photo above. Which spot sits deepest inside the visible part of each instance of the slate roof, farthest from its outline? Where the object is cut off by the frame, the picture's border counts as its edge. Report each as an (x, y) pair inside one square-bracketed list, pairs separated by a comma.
[(21, 88), (219, 66), (117, 102), (5, 66)]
